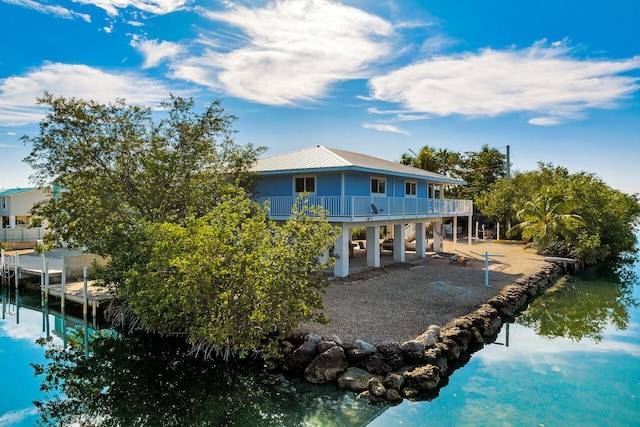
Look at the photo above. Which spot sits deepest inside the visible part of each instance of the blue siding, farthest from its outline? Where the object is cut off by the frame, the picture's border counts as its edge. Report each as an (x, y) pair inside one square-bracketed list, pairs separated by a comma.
[(357, 184), (422, 190), (329, 184), (274, 185)]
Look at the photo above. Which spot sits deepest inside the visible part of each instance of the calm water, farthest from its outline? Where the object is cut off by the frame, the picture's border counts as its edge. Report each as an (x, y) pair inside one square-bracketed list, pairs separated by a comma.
[(572, 359)]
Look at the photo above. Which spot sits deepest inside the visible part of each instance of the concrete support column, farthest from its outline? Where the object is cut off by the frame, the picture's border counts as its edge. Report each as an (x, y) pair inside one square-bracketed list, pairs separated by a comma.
[(341, 253), (469, 230), (421, 239), (12, 221), (455, 232), (373, 246), (437, 235), (398, 243)]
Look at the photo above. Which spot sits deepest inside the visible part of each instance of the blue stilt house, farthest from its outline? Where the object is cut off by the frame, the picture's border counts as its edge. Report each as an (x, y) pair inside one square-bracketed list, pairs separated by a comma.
[(362, 191)]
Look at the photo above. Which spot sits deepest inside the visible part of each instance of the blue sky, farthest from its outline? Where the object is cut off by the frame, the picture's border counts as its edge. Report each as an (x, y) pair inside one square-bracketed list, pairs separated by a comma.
[(557, 81)]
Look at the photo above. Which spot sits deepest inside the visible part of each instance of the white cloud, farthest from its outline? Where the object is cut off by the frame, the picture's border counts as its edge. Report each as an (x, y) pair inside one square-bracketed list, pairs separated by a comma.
[(294, 50), (541, 79), (155, 52), (16, 417), (545, 121), (381, 127), (437, 44), (18, 93), (50, 9), (156, 7)]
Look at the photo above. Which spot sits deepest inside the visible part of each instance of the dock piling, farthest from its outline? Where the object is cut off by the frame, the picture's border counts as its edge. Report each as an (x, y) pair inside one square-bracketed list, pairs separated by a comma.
[(84, 314), (16, 268)]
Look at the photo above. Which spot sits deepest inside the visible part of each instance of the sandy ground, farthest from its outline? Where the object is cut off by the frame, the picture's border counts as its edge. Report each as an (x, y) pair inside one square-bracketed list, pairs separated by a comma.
[(398, 302)]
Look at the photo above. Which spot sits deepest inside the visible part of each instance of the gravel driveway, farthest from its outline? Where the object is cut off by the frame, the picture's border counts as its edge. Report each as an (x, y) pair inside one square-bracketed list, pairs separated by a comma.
[(398, 302)]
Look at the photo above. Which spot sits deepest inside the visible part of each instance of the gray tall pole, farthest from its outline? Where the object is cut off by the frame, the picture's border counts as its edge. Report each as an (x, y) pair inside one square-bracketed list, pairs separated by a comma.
[(508, 174)]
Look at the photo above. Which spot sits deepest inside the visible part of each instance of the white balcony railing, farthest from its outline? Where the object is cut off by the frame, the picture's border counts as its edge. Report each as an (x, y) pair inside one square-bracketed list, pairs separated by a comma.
[(365, 207)]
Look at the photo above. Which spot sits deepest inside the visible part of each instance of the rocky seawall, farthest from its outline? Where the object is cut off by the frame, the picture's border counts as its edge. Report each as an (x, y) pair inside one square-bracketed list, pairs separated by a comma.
[(414, 369)]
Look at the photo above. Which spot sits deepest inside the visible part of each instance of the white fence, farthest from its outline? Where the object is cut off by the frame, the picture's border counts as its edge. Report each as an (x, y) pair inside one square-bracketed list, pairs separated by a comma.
[(21, 234)]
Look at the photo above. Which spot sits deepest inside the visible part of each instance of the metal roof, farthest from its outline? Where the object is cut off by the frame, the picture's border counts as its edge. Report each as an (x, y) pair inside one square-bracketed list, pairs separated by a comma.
[(14, 191), (320, 158)]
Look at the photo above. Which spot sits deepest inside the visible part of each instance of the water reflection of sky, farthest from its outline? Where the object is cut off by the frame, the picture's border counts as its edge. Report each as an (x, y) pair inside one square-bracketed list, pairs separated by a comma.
[(524, 344), (539, 381), (18, 348), (29, 328)]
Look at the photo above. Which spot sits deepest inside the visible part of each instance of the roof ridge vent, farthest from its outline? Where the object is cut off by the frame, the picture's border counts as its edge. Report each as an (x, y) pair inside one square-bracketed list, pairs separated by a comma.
[(330, 151)]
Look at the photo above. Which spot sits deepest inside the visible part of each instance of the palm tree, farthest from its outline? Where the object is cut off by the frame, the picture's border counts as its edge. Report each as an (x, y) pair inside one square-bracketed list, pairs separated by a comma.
[(426, 159), (448, 161), (546, 217)]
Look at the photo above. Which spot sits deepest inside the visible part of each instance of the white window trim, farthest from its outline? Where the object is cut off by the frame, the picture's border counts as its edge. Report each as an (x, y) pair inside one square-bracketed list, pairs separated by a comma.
[(379, 178), (415, 183), (315, 183)]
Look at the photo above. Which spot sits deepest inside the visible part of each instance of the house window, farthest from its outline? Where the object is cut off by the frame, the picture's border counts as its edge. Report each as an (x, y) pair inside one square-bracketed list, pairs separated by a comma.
[(305, 184), (3, 203), (410, 188), (378, 186)]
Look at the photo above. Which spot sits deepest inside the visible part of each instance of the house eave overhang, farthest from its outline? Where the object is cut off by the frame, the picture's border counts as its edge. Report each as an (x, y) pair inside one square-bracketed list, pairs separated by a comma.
[(439, 179), (17, 191)]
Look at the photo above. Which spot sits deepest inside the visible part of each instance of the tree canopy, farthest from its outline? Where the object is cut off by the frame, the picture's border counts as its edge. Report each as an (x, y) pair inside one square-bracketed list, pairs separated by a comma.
[(111, 165), (229, 280), (479, 169), (562, 214), (573, 215), (166, 202)]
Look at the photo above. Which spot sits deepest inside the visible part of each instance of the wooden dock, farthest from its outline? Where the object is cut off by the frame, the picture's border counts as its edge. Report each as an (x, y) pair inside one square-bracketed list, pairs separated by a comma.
[(76, 292), (84, 292)]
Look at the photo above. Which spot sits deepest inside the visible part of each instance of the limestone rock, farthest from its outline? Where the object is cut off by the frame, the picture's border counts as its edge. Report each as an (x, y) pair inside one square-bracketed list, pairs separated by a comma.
[(325, 345), (392, 355), (335, 338), (392, 396), (409, 392), (461, 336), (360, 350), (422, 378), (376, 388), (393, 380), (412, 346), (434, 328), (365, 346), (492, 326), (450, 349), (302, 356), (355, 379), (327, 366), (375, 364), (434, 356), (429, 338)]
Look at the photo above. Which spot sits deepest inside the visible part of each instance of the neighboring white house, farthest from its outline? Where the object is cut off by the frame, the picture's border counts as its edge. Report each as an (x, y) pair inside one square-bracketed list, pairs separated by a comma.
[(361, 191), (16, 204), (15, 214)]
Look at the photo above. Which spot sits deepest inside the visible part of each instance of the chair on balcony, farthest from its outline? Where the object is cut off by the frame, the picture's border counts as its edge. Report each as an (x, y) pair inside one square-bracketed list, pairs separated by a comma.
[(375, 209)]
